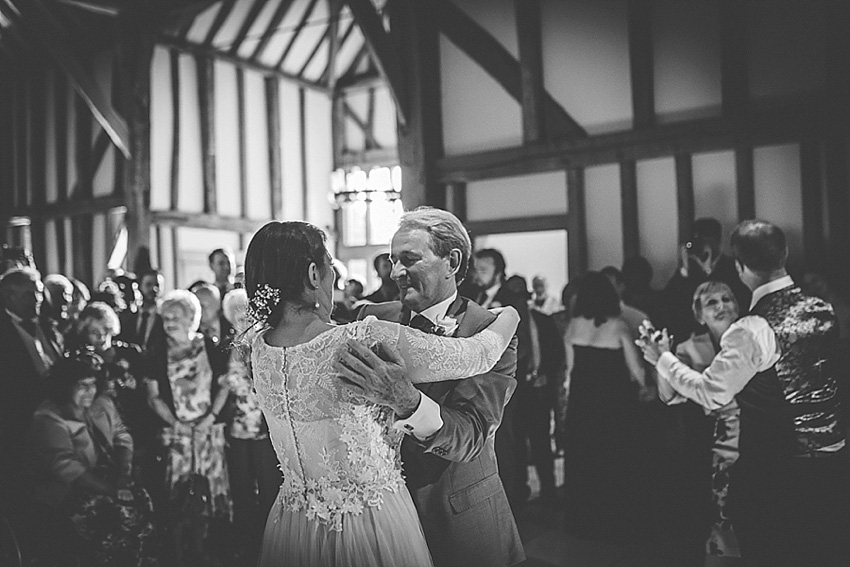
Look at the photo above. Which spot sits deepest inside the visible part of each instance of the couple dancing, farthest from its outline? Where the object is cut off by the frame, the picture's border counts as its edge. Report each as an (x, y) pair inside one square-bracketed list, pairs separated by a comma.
[(343, 411)]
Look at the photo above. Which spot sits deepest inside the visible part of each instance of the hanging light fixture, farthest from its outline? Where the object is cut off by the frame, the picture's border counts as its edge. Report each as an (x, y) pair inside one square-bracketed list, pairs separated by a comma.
[(355, 184)]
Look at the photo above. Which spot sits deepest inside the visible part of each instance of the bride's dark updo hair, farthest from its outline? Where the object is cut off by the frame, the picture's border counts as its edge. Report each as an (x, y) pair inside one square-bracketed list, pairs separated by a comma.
[(279, 257)]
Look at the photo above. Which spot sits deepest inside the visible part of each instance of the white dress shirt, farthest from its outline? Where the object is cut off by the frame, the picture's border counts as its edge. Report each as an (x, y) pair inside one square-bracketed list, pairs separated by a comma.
[(426, 420), (770, 287), (746, 348)]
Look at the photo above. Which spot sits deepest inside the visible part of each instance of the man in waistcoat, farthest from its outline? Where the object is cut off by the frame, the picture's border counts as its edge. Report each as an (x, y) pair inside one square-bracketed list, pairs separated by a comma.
[(448, 453), (816, 476)]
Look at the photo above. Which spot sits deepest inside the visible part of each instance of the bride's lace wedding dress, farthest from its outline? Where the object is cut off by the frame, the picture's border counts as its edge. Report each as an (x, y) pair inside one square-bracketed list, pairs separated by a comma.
[(343, 501)]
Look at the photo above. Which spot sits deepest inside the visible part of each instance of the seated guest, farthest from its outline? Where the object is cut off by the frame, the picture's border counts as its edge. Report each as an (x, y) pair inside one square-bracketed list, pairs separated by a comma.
[(81, 465), (252, 463), (94, 331), (27, 350), (184, 394)]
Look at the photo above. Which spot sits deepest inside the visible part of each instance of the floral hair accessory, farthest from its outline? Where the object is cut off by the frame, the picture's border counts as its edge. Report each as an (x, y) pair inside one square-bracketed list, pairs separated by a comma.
[(262, 304)]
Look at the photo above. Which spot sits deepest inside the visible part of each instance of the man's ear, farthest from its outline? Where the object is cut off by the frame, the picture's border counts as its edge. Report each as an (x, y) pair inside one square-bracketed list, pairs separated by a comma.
[(455, 257)]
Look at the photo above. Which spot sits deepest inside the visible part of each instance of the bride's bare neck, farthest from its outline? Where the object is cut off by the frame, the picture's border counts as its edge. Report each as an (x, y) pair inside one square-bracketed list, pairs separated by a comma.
[(298, 325)]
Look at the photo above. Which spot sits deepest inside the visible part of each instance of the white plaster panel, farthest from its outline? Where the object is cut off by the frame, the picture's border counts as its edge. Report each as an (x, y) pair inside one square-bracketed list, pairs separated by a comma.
[(227, 167), (385, 118), (657, 216), (715, 190), (686, 47), (778, 190), (549, 257), (190, 197), (603, 216), (319, 161), (586, 61), (786, 51), (522, 196), (478, 114), (290, 147), (162, 119), (51, 79), (99, 252), (257, 147)]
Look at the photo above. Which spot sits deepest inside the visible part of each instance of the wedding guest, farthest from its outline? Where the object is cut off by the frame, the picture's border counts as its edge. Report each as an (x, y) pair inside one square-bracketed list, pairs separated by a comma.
[(144, 325), (81, 465), (223, 266), (541, 300), (388, 291), (183, 391), (58, 299), (604, 371), (815, 492), (252, 463)]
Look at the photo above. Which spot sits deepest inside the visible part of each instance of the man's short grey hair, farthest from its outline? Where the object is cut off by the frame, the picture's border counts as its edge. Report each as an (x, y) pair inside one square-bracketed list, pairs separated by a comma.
[(185, 301), (446, 231)]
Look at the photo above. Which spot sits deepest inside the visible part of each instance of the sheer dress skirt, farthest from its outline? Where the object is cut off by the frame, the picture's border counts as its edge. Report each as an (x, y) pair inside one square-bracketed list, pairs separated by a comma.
[(387, 537)]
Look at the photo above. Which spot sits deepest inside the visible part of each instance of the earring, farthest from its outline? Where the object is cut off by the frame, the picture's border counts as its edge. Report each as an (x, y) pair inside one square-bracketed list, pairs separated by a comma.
[(317, 306)]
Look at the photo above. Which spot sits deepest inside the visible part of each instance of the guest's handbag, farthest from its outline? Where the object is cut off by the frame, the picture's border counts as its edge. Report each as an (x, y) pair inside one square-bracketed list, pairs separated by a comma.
[(191, 495)]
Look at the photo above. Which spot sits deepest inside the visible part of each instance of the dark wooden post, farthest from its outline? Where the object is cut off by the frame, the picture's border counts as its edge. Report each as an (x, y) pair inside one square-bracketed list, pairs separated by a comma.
[(420, 141)]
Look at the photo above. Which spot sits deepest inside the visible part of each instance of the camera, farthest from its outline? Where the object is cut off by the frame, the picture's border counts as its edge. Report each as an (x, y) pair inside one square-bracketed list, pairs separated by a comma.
[(698, 248)]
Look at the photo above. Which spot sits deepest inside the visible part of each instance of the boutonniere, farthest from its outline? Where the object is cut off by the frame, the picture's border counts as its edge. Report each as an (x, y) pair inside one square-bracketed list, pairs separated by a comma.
[(447, 324)]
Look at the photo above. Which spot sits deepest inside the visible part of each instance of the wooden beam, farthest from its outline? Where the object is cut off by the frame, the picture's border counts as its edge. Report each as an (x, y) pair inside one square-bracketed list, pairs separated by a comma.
[(247, 23), (223, 12), (811, 185), (782, 124), (135, 50), (745, 180), (329, 74), (338, 127), (685, 194), (838, 204), (629, 208), (49, 33), (325, 37), (420, 140), (528, 24), (206, 107), (174, 201), (277, 17), (178, 219), (641, 63), (456, 200), (577, 256), (370, 122), (485, 50), (302, 135), (83, 151), (734, 74), (384, 54), (196, 49), (300, 26), (350, 75), (274, 147), (81, 245), (520, 224), (60, 97), (38, 135), (242, 141), (371, 142), (100, 7), (72, 208)]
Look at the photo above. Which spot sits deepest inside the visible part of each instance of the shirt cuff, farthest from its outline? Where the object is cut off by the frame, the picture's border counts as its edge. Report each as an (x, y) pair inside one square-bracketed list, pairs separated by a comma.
[(665, 364), (424, 422)]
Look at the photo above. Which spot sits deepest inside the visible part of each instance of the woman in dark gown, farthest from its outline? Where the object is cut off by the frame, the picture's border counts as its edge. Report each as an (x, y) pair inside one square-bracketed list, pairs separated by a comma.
[(604, 371)]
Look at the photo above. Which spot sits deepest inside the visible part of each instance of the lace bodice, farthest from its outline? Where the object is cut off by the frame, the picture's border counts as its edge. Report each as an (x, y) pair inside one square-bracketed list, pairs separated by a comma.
[(339, 452)]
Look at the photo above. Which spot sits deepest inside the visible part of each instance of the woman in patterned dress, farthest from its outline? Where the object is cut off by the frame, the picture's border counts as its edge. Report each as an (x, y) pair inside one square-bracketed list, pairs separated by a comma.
[(343, 501), (183, 391)]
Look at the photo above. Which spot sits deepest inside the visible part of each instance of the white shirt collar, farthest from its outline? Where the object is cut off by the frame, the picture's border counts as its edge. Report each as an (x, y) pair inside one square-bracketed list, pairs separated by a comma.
[(438, 311), (770, 287)]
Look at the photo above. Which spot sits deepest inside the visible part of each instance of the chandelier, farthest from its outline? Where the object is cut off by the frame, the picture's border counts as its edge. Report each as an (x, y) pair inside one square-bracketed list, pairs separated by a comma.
[(354, 184)]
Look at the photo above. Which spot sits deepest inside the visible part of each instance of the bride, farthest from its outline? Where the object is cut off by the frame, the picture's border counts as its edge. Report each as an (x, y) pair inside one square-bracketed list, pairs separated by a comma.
[(343, 500)]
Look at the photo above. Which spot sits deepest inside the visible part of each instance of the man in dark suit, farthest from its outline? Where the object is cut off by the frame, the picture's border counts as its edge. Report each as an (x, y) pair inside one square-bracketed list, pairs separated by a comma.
[(27, 351), (448, 453), (144, 327)]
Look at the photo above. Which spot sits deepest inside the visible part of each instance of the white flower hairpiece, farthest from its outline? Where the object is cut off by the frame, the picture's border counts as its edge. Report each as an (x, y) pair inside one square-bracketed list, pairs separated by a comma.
[(262, 304)]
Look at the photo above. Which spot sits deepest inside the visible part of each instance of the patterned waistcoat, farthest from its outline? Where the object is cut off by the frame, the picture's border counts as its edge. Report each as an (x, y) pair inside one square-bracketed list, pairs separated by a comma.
[(807, 334)]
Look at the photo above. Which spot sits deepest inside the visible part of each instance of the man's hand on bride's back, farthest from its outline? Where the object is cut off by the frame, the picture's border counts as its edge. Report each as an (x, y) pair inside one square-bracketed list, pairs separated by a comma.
[(378, 376)]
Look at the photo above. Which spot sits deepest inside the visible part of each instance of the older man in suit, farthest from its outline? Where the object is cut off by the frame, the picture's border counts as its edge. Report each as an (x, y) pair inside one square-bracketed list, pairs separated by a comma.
[(27, 351), (448, 453)]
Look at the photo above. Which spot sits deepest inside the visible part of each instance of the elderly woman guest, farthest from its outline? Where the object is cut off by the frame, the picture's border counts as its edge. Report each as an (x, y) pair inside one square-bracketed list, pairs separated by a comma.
[(81, 464), (255, 477), (183, 392), (730, 374)]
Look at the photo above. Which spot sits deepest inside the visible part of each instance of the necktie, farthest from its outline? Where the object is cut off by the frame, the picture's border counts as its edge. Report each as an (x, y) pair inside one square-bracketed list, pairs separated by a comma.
[(143, 327), (425, 325)]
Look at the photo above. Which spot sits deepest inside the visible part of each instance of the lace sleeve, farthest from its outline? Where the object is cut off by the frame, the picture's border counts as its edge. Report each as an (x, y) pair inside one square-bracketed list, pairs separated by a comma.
[(431, 358)]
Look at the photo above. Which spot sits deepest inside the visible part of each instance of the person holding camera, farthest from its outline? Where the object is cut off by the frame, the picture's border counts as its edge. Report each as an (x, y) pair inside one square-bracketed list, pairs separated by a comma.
[(700, 260)]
